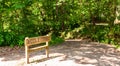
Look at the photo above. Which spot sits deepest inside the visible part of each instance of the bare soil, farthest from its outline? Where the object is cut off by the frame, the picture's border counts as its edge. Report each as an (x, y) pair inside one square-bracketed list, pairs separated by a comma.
[(70, 53)]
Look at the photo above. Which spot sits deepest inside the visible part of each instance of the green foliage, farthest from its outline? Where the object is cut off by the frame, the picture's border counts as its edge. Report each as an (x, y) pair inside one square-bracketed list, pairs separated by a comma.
[(1, 39), (118, 17), (56, 40), (62, 18)]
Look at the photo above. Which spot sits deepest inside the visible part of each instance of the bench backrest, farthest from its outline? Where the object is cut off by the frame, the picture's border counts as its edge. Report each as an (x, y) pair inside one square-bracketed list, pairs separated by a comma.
[(36, 40)]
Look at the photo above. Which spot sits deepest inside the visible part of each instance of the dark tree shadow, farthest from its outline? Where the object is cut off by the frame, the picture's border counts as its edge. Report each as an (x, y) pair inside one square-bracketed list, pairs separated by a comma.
[(80, 51), (84, 52)]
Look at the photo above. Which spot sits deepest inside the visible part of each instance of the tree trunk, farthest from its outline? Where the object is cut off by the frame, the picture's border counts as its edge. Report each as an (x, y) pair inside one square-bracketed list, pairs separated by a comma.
[(56, 11)]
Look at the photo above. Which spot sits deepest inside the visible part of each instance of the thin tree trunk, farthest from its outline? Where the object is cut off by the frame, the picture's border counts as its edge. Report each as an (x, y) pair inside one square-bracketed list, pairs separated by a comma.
[(56, 10), (1, 25), (62, 12)]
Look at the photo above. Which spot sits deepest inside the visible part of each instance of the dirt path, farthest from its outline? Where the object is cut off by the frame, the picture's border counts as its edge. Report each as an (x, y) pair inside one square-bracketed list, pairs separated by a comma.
[(69, 53)]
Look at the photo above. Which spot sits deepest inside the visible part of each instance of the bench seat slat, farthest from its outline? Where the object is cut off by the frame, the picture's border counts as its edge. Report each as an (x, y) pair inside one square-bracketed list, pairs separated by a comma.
[(37, 48)]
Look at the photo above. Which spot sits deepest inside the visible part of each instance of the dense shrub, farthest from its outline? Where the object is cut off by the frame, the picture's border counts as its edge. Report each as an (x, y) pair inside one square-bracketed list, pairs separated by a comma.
[(61, 18)]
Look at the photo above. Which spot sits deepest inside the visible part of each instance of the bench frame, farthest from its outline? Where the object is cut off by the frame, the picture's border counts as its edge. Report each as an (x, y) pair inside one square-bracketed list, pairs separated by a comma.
[(33, 41)]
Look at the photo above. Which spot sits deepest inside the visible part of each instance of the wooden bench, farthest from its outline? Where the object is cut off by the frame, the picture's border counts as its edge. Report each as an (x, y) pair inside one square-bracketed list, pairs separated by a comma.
[(34, 41)]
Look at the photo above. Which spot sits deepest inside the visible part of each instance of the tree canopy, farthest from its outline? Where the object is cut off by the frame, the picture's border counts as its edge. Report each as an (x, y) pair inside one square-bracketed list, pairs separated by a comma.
[(60, 18)]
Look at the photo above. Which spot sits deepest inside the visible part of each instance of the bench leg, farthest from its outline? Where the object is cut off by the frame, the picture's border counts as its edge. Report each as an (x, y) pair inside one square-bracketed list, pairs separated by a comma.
[(26, 55), (47, 52)]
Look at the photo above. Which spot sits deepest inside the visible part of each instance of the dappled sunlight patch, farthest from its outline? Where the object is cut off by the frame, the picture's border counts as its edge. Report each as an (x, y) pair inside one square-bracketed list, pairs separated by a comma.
[(9, 63), (42, 58), (73, 33), (110, 60), (70, 53), (86, 60), (1, 59)]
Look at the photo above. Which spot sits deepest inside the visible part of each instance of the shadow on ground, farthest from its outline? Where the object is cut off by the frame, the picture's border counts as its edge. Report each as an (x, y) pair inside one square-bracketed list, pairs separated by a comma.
[(94, 53), (80, 52)]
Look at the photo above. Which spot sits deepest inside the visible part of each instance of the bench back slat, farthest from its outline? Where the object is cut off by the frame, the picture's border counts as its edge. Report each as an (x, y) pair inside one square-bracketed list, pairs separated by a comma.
[(37, 40)]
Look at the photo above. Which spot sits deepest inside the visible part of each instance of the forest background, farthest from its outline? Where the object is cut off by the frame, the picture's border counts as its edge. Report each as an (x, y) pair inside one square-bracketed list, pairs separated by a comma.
[(62, 19)]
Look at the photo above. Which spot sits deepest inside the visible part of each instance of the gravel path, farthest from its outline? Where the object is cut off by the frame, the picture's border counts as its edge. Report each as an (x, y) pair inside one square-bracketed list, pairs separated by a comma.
[(69, 53)]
